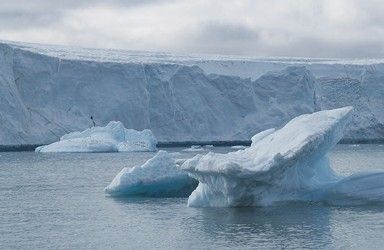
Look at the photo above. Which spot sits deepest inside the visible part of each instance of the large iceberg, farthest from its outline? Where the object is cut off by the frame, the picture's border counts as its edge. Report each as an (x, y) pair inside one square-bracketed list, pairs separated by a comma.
[(112, 138), (160, 176), (287, 164)]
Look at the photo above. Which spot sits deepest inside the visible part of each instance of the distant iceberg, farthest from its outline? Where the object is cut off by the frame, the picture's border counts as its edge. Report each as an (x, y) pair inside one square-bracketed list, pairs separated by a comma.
[(194, 148), (112, 138), (238, 147), (287, 164), (160, 176)]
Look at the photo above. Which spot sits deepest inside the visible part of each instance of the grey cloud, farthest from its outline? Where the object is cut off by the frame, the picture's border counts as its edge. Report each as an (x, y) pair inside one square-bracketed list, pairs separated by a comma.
[(223, 32), (25, 14), (220, 38), (325, 48), (261, 28), (18, 20)]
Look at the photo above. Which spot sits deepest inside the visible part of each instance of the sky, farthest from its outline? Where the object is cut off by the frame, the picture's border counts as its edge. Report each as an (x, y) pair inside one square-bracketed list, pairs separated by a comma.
[(301, 28)]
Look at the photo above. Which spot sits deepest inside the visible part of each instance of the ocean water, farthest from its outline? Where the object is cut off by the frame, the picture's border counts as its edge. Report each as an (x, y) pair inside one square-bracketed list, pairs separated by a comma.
[(56, 201)]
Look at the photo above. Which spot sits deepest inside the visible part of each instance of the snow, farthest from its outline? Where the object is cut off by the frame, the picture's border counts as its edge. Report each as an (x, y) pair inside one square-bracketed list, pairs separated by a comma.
[(127, 56), (114, 137), (47, 91), (287, 164), (160, 176)]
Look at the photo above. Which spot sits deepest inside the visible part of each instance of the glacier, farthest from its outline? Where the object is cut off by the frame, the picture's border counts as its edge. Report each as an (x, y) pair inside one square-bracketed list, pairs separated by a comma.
[(48, 91), (288, 164), (160, 176), (114, 137)]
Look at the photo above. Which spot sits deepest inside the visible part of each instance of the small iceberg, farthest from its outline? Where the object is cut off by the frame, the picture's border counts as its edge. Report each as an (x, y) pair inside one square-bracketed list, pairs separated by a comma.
[(194, 148), (238, 147), (112, 138), (160, 176)]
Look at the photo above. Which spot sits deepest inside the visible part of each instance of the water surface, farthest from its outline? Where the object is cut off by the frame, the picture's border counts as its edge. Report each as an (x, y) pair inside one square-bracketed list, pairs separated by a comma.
[(56, 201)]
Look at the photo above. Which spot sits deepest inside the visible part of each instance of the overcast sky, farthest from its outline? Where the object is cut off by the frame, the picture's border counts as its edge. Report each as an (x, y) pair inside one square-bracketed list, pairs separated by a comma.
[(313, 28)]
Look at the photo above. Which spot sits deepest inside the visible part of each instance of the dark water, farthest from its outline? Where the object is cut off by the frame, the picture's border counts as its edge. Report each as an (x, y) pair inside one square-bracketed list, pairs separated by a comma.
[(56, 201)]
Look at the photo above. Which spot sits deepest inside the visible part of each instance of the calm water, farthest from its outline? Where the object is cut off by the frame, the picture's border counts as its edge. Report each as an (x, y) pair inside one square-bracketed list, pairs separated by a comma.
[(56, 201)]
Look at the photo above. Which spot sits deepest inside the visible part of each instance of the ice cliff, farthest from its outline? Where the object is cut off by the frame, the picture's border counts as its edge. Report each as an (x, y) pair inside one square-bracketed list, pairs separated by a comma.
[(48, 91)]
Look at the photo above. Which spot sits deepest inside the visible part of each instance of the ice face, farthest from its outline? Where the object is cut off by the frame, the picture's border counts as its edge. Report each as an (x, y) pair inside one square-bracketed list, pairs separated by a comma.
[(160, 176), (45, 91), (286, 164), (112, 138), (56, 89)]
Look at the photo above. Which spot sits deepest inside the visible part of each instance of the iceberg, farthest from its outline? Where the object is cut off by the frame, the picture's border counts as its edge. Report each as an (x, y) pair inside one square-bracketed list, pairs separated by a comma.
[(287, 164), (160, 176), (357, 189), (194, 148), (238, 147), (112, 138)]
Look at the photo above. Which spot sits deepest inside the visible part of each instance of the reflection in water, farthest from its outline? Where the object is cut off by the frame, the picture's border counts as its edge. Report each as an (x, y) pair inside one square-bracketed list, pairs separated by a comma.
[(286, 225)]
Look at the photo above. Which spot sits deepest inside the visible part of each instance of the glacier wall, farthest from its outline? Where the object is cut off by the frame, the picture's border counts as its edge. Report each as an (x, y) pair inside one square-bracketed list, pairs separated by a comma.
[(48, 91)]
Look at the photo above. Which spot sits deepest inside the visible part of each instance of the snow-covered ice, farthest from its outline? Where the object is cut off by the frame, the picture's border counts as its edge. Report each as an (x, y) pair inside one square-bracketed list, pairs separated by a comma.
[(160, 176), (290, 163), (112, 138)]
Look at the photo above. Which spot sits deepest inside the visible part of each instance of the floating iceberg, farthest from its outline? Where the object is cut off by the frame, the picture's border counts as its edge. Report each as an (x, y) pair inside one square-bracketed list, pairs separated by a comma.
[(238, 147), (287, 164), (194, 148), (357, 189), (160, 176), (112, 138)]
